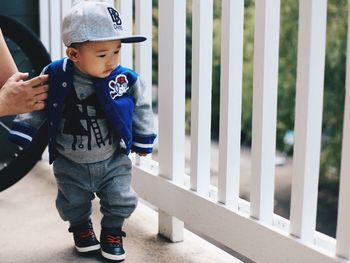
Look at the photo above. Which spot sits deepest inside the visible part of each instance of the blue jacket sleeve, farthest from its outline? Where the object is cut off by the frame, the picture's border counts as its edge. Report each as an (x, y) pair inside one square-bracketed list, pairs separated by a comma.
[(25, 126)]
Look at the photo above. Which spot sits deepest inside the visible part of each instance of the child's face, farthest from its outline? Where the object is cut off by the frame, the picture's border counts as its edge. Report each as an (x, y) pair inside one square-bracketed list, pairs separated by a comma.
[(97, 59)]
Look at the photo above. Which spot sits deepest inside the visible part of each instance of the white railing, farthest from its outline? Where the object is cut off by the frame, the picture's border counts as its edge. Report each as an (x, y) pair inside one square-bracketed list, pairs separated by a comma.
[(250, 228)]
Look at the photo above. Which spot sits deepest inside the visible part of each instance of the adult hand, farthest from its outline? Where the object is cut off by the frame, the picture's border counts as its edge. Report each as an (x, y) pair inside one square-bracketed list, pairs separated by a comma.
[(18, 95)]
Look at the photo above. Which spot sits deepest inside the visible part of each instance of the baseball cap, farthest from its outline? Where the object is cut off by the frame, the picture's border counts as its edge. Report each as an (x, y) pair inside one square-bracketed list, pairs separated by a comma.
[(94, 21)]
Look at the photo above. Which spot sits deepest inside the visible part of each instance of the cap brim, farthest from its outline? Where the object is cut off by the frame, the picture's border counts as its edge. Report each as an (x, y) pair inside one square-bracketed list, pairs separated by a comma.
[(123, 39), (133, 39)]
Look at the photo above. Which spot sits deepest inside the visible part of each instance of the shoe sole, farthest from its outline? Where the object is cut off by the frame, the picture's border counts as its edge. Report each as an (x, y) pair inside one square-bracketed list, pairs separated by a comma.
[(113, 257), (88, 249)]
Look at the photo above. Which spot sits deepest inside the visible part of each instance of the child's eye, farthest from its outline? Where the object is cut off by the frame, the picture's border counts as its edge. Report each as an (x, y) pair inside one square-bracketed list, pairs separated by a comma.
[(116, 52), (101, 56)]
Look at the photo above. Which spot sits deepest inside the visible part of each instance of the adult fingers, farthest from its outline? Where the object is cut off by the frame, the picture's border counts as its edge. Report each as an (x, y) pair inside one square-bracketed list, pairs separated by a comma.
[(32, 106), (40, 90), (18, 76), (41, 97), (39, 105), (39, 80)]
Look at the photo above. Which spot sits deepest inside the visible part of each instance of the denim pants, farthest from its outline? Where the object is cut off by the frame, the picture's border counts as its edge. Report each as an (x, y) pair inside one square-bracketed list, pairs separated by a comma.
[(79, 182)]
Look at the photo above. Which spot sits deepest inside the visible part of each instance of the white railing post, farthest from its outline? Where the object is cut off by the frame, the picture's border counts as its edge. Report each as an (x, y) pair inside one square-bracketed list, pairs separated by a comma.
[(124, 7), (44, 13), (202, 40), (232, 21), (66, 5), (266, 46), (343, 224), (143, 53), (172, 33), (51, 16), (308, 117), (55, 30)]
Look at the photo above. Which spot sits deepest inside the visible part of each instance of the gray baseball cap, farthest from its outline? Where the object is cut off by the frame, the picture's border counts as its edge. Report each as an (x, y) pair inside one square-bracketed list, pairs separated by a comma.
[(94, 21)]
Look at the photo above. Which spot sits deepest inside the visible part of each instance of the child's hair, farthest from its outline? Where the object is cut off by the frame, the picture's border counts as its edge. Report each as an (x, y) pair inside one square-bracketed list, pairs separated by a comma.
[(77, 45)]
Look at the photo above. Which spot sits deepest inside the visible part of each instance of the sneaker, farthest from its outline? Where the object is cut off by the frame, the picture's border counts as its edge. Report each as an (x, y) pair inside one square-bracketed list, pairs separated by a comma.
[(112, 243), (84, 237)]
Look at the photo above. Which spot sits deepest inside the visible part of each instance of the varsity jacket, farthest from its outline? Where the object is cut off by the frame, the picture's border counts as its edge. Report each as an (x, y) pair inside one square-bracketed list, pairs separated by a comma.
[(121, 96)]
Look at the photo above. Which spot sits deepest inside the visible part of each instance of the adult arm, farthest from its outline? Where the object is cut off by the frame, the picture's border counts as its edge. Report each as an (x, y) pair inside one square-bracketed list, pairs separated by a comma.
[(17, 95), (7, 65)]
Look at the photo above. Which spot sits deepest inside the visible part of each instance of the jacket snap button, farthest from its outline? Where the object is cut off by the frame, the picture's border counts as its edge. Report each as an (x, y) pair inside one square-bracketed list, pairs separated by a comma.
[(64, 84), (55, 104)]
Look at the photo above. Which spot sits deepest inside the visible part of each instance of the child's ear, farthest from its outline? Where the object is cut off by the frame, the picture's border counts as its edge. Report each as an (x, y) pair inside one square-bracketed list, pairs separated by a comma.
[(72, 53)]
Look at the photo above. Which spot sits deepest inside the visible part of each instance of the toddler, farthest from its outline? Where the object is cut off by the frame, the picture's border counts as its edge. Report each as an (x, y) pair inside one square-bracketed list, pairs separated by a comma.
[(96, 114)]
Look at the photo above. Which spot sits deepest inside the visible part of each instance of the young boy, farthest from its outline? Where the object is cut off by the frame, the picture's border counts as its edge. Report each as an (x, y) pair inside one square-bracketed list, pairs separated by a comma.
[(96, 113)]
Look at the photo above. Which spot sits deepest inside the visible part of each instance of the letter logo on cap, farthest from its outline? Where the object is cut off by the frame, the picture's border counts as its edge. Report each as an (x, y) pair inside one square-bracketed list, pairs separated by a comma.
[(115, 18)]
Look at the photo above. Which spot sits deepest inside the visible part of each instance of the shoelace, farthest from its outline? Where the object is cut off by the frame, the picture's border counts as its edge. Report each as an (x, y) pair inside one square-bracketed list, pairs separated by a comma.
[(115, 240), (86, 233)]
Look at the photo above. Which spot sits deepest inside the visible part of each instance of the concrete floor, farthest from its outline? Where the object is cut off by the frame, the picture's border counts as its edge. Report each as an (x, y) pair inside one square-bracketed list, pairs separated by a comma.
[(31, 230)]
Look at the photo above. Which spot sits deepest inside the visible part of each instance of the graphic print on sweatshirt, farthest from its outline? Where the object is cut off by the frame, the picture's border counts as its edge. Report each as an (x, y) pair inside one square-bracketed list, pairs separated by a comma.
[(82, 120), (84, 134)]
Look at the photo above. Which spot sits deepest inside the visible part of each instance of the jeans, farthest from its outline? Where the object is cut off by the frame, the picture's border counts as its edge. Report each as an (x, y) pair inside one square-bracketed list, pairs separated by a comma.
[(79, 182)]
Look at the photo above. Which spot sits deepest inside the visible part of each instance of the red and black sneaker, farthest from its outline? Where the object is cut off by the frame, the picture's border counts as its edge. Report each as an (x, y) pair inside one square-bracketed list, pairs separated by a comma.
[(112, 243), (84, 237)]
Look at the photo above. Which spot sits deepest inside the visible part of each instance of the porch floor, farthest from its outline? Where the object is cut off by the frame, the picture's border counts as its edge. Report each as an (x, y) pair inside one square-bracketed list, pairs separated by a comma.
[(31, 230)]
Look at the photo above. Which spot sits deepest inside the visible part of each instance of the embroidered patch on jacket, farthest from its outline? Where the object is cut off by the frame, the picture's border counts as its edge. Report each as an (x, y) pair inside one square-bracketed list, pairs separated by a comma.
[(119, 86)]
